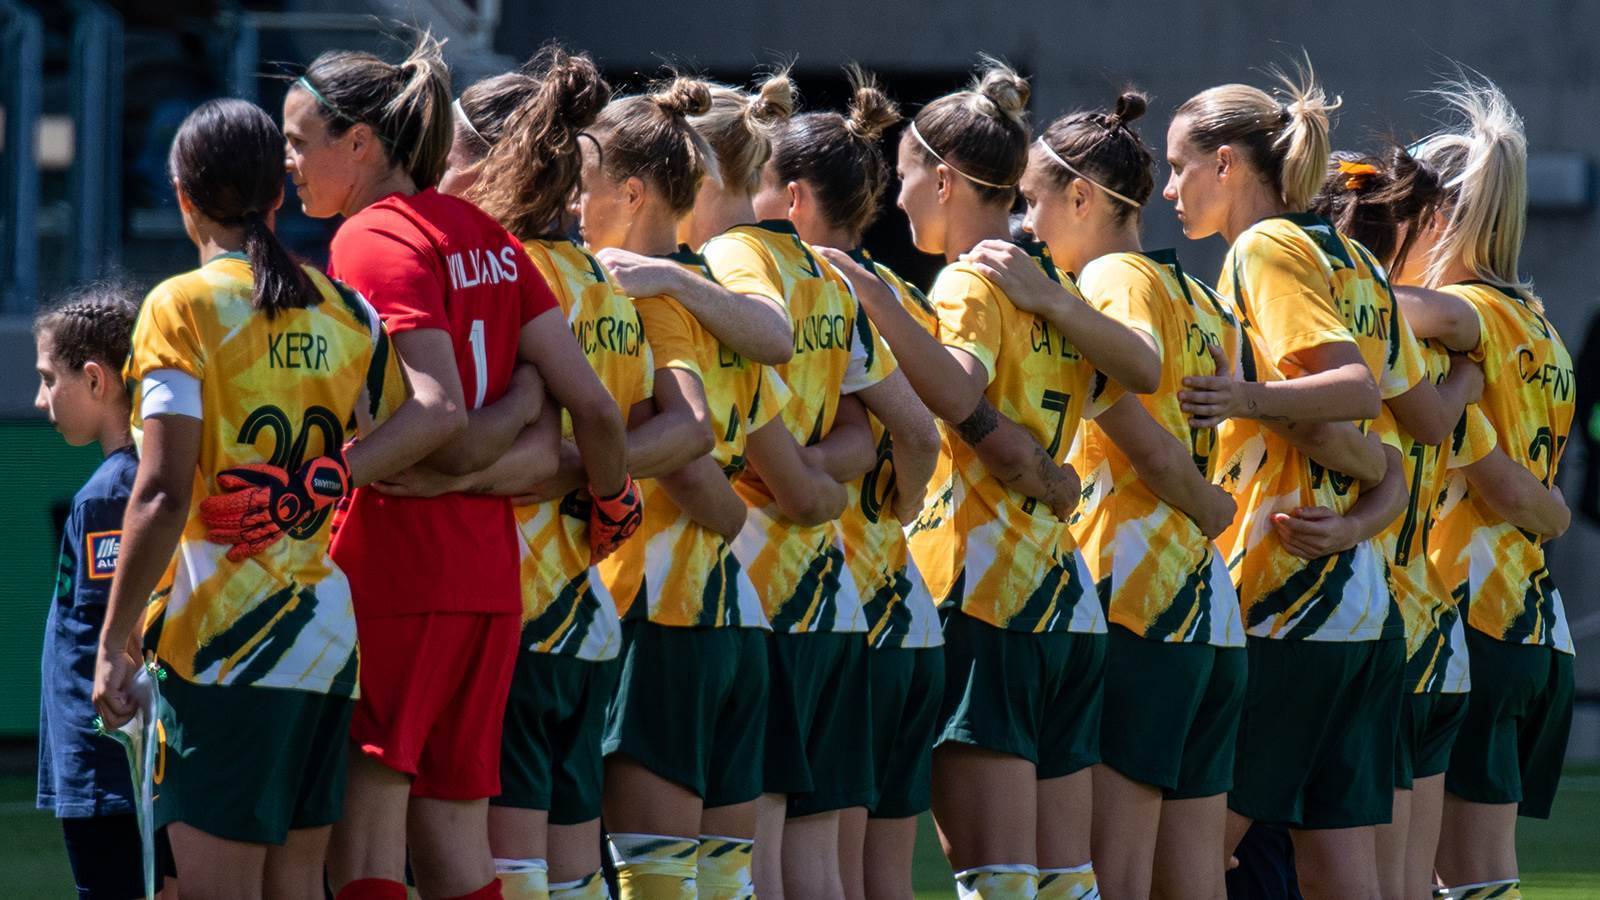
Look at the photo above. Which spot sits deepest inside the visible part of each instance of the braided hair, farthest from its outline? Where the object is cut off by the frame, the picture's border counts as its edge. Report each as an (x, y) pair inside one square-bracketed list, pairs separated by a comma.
[(92, 324)]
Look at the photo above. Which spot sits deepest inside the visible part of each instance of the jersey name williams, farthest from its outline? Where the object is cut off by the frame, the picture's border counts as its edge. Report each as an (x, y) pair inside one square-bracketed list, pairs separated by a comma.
[(470, 268)]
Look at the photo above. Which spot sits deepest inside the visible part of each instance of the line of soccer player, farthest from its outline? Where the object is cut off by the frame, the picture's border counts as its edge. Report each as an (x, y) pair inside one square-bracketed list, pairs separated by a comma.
[(712, 528)]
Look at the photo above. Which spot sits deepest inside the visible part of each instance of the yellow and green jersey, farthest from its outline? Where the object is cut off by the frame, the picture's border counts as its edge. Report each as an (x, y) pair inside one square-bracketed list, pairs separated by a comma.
[(999, 556), (1494, 569), (279, 390), (1155, 572), (900, 611), (1296, 283), (800, 570), (675, 571), (566, 607), (1430, 616)]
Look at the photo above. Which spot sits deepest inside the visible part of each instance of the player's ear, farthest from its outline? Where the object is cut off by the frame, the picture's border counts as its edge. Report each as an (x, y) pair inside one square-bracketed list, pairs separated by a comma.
[(633, 193), (797, 194), (1226, 161), (945, 184), (95, 374)]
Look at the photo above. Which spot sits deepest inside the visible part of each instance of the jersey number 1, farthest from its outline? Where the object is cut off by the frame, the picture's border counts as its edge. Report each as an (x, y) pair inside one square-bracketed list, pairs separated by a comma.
[(480, 361)]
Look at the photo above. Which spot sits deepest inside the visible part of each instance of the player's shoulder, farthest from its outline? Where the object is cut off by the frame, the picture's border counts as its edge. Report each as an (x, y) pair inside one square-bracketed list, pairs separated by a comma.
[(111, 481)]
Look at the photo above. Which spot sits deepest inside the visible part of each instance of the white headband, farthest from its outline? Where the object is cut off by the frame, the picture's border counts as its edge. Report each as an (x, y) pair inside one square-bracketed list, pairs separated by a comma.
[(935, 154), (461, 116), (1074, 170)]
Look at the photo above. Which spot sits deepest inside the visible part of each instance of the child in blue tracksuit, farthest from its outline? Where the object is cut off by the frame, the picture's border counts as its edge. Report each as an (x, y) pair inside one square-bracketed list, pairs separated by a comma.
[(81, 346)]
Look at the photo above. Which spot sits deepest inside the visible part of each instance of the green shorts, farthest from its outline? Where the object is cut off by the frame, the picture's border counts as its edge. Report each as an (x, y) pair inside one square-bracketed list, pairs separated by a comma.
[(550, 743), (1037, 696), (906, 687), (1171, 713), (1317, 736), (251, 764), (819, 723), (1429, 723), (1519, 714), (691, 706)]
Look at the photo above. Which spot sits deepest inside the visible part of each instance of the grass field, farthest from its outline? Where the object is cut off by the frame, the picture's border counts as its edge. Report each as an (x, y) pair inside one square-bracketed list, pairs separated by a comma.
[(1560, 858)]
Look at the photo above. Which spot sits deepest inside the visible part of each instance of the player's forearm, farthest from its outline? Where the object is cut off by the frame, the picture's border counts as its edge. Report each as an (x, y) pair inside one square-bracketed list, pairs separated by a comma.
[(665, 442), (1339, 446), (490, 432), (1107, 344), (702, 491), (1444, 317), (533, 459), (1345, 393), (750, 326), (603, 443), (1376, 507)]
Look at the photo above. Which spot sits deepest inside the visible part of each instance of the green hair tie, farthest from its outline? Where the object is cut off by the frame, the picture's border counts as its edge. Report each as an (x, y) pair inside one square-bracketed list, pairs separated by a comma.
[(305, 82)]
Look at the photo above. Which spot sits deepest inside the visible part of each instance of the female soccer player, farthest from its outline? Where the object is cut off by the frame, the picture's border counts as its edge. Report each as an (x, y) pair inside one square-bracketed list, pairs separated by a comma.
[(517, 154), (1023, 631), (82, 344), (1507, 757), (249, 358), (1326, 344), (1383, 205), (818, 748), (437, 578), (1175, 670), (685, 732), (827, 176)]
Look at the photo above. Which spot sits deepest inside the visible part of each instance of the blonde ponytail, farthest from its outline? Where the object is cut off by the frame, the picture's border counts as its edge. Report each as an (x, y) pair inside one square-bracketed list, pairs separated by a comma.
[(1483, 162), (1284, 136), (739, 127), (1304, 141)]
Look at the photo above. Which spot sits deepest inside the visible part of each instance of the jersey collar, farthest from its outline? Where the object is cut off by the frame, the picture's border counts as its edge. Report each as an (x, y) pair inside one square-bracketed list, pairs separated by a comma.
[(230, 254)]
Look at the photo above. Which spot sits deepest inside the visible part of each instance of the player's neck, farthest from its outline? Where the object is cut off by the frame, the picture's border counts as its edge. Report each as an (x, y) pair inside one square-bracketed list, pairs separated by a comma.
[(114, 430), (965, 228), (651, 234), (213, 240), (829, 236), (1116, 239), (1456, 273), (716, 212), (1257, 203), (370, 191)]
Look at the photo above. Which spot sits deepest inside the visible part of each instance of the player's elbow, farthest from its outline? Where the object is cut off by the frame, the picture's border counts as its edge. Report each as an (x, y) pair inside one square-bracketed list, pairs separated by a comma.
[(1144, 375)]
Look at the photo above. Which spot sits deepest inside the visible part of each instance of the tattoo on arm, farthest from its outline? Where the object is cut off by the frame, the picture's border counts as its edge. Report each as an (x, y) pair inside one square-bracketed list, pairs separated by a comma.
[(983, 421)]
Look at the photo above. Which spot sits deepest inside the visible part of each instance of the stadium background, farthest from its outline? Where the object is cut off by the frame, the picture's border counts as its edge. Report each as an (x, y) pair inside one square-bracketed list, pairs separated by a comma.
[(91, 93)]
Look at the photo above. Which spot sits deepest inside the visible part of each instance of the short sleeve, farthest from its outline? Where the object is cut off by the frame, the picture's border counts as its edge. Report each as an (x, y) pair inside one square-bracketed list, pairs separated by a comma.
[(1103, 394), (772, 395), (1404, 367), (98, 523), (536, 295), (742, 267), (1120, 288), (165, 335), (670, 331), (1287, 295), (870, 359), (385, 258), (647, 384), (1474, 437), (1387, 429), (968, 315)]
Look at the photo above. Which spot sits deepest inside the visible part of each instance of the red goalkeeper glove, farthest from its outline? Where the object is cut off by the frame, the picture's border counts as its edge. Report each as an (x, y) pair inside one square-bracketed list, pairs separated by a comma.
[(261, 503), (613, 520)]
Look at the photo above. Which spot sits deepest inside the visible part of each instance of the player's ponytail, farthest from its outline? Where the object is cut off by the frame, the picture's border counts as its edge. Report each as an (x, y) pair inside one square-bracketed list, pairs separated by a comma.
[(649, 137), (1103, 149), (407, 106), (531, 121), (1285, 136), (980, 133), (739, 127), (227, 158), (1381, 202), (1483, 162), (840, 156)]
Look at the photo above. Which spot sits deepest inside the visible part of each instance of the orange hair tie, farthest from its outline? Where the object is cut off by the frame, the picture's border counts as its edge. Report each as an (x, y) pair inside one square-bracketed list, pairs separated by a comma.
[(1356, 174)]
